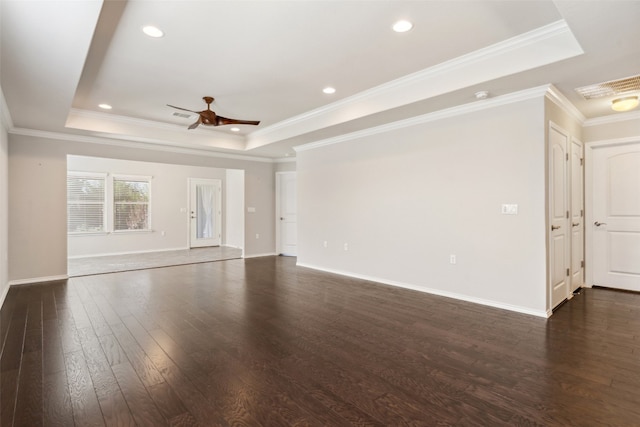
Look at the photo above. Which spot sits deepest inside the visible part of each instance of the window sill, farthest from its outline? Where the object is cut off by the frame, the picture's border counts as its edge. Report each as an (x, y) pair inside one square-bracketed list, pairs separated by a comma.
[(106, 233), (131, 231), (87, 233)]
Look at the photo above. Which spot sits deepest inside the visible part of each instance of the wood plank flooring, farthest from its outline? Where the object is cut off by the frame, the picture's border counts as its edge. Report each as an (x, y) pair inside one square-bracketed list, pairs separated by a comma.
[(261, 342)]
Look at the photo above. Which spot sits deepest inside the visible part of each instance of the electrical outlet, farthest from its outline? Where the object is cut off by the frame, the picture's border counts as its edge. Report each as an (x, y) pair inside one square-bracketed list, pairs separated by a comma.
[(257, 236), (452, 259), (346, 246), (325, 244)]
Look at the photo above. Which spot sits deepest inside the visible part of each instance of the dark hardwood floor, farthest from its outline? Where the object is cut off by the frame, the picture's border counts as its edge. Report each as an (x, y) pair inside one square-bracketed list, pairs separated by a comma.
[(260, 342)]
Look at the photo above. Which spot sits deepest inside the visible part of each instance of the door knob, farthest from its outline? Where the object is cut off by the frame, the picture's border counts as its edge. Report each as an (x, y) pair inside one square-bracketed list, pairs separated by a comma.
[(555, 227), (598, 224), (281, 218), (575, 224)]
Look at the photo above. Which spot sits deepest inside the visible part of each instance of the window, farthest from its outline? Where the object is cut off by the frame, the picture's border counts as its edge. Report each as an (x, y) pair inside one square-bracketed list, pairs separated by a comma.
[(102, 203), (85, 203), (130, 203)]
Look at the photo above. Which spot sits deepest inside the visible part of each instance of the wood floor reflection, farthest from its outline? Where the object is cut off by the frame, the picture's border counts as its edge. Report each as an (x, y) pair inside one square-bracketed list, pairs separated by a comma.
[(261, 342)]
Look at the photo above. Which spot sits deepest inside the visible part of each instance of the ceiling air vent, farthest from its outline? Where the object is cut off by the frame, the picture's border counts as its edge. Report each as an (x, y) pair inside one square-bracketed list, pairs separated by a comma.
[(183, 115), (613, 87)]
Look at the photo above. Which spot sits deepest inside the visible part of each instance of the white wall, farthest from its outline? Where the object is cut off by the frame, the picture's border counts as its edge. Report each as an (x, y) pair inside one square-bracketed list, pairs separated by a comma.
[(405, 200), (169, 206), (234, 186), (37, 197), (288, 165), (616, 128), (4, 211)]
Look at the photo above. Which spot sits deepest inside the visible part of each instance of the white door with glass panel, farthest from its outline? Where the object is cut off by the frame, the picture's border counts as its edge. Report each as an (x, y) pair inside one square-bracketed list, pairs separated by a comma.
[(615, 218), (205, 212)]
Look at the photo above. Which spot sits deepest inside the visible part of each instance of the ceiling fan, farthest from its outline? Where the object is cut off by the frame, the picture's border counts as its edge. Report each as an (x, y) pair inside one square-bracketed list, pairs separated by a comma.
[(208, 117)]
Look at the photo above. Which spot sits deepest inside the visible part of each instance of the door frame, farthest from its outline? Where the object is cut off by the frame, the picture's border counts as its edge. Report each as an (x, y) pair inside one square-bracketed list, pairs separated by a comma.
[(563, 221), (279, 176), (577, 216), (218, 214), (588, 201)]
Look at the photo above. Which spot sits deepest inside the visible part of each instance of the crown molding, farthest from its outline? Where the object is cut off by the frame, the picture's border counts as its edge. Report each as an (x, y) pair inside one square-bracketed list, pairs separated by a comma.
[(536, 92), (119, 127), (544, 45), (107, 117), (129, 143), (558, 98), (613, 118), (285, 160)]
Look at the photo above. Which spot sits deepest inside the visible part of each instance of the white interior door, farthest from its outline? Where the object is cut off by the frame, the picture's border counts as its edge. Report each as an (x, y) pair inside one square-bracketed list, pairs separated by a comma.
[(577, 214), (205, 214), (615, 227), (287, 213), (559, 236)]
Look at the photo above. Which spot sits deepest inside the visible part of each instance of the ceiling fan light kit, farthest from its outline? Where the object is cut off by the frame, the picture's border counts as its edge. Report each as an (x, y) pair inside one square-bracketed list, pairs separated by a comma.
[(210, 118)]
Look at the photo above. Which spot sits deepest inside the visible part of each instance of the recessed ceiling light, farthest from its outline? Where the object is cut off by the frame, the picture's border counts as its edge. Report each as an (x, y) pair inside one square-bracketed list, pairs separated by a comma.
[(402, 26), (105, 106), (624, 104), (152, 31), (329, 90), (235, 129)]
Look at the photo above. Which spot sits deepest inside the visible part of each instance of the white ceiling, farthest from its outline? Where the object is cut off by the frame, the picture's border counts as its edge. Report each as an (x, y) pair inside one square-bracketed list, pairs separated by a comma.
[(269, 61)]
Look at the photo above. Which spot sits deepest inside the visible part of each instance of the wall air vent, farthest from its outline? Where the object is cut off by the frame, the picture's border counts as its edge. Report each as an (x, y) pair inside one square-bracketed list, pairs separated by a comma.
[(613, 87), (183, 115)]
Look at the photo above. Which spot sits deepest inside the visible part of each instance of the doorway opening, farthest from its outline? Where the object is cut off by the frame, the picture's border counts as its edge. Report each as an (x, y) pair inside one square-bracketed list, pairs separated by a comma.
[(205, 212)]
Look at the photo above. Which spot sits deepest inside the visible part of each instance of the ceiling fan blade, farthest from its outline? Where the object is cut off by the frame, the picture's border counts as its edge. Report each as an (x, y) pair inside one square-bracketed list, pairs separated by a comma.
[(226, 121), (180, 108), (197, 123)]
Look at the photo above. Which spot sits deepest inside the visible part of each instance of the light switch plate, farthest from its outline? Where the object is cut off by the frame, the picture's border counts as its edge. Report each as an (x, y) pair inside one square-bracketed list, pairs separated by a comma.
[(509, 209)]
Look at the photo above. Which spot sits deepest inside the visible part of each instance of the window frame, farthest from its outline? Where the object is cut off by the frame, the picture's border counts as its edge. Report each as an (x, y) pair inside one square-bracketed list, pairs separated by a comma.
[(112, 198), (96, 176), (109, 202)]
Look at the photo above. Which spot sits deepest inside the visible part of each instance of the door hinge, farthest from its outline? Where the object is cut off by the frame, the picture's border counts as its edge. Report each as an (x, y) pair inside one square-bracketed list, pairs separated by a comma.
[(567, 214), (582, 264), (567, 156), (581, 162), (581, 212), (568, 272)]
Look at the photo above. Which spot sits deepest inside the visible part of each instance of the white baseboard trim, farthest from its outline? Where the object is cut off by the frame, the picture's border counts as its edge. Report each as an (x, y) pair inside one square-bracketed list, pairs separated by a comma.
[(128, 253), (4, 295), (260, 255), (439, 292), (38, 280)]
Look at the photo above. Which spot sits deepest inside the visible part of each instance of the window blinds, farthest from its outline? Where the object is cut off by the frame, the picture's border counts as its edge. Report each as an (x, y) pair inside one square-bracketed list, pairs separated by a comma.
[(85, 204), (130, 204)]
